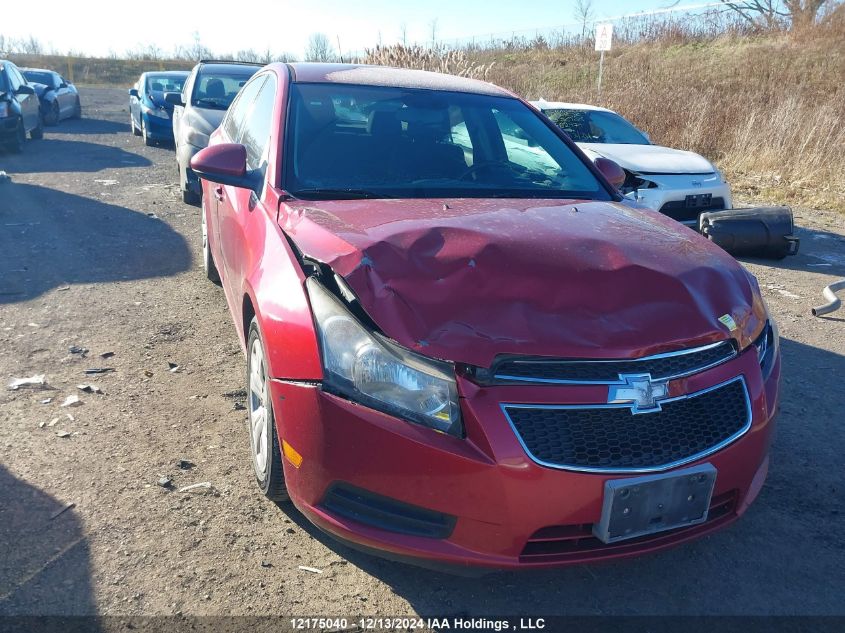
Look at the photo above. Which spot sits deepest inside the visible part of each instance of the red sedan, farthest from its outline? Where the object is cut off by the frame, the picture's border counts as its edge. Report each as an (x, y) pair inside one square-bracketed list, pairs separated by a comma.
[(463, 347)]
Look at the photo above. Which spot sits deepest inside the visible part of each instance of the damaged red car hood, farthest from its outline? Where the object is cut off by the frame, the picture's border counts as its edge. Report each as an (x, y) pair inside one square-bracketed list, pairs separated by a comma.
[(466, 280)]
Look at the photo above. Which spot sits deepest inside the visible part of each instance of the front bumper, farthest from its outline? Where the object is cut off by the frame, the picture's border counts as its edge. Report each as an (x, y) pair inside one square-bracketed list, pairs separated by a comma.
[(508, 511), (670, 195), (158, 129)]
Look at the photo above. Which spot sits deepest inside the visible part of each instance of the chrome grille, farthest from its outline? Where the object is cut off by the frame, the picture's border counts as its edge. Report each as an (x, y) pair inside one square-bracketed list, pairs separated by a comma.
[(659, 367), (613, 438)]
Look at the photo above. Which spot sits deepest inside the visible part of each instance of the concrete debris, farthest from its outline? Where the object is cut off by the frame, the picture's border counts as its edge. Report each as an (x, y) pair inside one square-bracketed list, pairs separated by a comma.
[(72, 401), (313, 570), (81, 351), (38, 381), (62, 434), (165, 482), (98, 370), (204, 487), (89, 388)]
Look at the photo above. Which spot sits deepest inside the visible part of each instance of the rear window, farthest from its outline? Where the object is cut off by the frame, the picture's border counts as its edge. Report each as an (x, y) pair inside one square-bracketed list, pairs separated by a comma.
[(164, 83), (371, 141), (217, 89)]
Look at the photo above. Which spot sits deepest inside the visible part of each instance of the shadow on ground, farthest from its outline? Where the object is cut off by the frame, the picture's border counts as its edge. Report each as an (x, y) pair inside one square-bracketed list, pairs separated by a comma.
[(49, 239), (45, 568), (90, 126), (733, 572), (820, 252), (51, 155)]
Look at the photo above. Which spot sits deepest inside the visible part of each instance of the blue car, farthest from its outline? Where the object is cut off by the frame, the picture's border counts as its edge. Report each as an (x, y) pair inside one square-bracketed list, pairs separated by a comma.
[(149, 114)]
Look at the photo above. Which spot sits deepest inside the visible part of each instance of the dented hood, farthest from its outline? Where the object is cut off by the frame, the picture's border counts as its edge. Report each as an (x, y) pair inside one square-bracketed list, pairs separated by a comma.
[(653, 159), (467, 280)]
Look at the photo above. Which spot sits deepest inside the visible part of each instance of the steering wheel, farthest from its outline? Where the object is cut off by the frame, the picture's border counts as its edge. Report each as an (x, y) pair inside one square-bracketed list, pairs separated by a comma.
[(487, 164)]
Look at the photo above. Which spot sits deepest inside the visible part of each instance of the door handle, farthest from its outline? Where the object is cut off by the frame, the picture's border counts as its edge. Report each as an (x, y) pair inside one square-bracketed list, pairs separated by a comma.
[(218, 193)]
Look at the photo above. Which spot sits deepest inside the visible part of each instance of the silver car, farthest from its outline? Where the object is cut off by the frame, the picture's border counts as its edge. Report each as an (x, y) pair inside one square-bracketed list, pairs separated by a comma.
[(198, 109)]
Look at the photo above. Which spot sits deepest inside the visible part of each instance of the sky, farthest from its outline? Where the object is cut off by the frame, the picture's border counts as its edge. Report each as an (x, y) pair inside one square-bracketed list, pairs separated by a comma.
[(101, 27)]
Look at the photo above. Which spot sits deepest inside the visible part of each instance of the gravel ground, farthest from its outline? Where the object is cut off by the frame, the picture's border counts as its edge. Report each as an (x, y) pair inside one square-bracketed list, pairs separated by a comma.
[(97, 251)]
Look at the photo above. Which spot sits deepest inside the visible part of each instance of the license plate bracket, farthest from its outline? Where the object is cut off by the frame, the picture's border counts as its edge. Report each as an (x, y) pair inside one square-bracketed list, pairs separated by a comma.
[(698, 201), (639, 506)]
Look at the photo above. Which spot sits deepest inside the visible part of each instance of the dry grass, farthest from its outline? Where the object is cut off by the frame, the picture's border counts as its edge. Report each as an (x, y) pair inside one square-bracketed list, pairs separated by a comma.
[(452, 62)]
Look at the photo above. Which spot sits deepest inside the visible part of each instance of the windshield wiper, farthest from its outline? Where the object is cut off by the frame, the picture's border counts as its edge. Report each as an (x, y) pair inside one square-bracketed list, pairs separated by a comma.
[(338, 194)]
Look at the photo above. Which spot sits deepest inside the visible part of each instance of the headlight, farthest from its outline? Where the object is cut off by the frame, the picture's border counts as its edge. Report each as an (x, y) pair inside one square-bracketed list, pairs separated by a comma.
[(767, 344), (156, 112), (197, 139), (367, 368)]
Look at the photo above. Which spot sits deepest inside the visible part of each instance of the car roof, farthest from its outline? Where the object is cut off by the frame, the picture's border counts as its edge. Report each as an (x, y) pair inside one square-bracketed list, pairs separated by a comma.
[(365, 75), (224, 66), (169, 73), (542, 104)]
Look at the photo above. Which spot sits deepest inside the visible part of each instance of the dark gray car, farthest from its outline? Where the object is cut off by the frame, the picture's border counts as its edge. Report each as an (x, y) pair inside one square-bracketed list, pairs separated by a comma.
[(199, 109)]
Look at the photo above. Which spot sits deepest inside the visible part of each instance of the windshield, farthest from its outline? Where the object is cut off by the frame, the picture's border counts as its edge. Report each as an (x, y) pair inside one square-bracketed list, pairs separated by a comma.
[(39, 77), (217, 90), (595, 126), (164, 83), (347, 141)]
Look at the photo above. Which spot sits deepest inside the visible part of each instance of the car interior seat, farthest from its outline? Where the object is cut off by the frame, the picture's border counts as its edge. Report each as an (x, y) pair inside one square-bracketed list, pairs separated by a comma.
[(215, 89)]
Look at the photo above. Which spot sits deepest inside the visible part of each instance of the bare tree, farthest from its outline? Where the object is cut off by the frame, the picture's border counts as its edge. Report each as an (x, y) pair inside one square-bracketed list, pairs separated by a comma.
[(31, 46), (248, 55), (433, 26), (403, 33), (584, 14), (197, 51), (775, 13), (319, 49)]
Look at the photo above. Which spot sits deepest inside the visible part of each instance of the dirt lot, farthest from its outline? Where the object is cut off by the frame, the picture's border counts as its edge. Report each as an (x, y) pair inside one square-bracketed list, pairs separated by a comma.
[(97, 251)]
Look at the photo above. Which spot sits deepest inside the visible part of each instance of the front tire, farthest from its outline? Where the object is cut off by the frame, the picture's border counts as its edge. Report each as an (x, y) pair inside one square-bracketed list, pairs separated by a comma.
[(38, 133), (264, 441), (207, 258), (53, 117)]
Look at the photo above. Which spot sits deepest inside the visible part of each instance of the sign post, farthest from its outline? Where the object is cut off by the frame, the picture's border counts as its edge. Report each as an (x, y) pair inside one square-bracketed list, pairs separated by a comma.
[(604, 35)]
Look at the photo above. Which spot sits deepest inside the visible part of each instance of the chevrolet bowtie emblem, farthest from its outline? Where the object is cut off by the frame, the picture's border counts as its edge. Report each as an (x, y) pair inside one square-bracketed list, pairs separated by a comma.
[(640, 391)]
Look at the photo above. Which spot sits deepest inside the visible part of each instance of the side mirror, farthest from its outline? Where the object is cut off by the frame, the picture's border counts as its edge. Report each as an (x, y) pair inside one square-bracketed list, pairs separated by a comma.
[(62, 85), (23, 89), (133, 92), (612, 172), (174, 98), (225, 164)]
